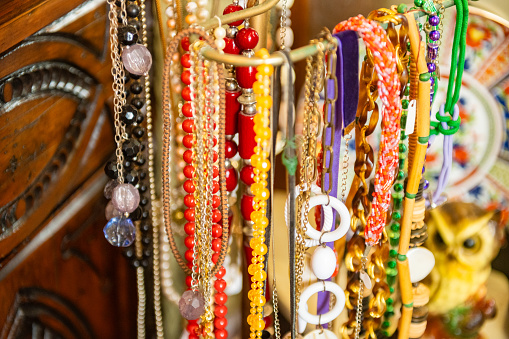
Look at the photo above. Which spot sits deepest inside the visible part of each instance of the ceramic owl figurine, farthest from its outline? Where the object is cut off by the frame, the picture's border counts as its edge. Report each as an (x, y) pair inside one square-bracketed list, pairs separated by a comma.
[(464, 239)]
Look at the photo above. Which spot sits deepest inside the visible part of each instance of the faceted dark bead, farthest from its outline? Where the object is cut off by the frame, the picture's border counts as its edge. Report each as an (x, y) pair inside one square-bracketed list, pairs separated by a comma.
[(136, 215), (126, 77), (140, 161), (138, 132), (144, 263), (143, 175), (135, 23), (144, 215), (130, 148), (147, 252), (131, 177), (143, 188), (266, 334), (133, 10), (111, 169), (136, 87), (127, 35), (146, 240), (137, 102), (143, 201), (140, 118), (145, 227), (129, 252), (128, 164), (134, 76), (129, 114), (136, 263), (127, 93)]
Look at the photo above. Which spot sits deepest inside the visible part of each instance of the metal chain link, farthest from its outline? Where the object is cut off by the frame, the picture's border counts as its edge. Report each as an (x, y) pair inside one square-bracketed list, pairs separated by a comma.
[(282, 25)]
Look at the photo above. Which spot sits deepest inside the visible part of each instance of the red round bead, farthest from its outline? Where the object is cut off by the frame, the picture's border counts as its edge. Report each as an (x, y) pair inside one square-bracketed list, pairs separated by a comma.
[(231, 46), (220, 324), (215, 187), (231, 179), (221, 333), (216, 201), (189, 214), (233, 8), (221, 272), (189, 186), (230, 149), (247, 38), (216, 215), (193, 336), (189, 281), (189, 200), (220, 298), (215, 171), (190, 265), (192, 328), (186, 77), (216, 245), (185, 60), (215, 257), (189, 241), (246, 76), (220, 285), (186, 93), (268, 321), (247, 175), (217, 230), (214, 156), (189, 255), (189, 228), (187, 110), (188, 125), (188, 171), (246, 206), (188, 156), (188, 141), (220, 311), (185, 43)]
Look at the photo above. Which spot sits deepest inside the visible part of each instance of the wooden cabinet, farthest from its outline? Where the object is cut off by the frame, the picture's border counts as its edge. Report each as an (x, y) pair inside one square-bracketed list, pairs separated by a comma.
[(59, 277)]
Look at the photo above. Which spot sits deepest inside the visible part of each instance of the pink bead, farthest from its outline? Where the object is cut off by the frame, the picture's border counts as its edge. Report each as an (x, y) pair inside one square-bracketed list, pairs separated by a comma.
[(136, 59), (192, 305), (125, 198), (111, 211)]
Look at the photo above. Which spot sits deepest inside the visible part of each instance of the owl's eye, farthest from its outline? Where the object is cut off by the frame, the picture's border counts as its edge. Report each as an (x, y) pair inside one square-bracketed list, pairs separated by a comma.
[(469, 243), (439, 240)]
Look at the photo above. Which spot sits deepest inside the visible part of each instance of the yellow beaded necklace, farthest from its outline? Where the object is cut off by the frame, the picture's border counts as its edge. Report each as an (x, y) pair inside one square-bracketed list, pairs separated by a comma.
[(261, 165)]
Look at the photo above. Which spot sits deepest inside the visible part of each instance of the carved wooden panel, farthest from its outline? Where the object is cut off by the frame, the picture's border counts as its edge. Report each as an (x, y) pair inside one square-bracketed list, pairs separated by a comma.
[(59, 278)]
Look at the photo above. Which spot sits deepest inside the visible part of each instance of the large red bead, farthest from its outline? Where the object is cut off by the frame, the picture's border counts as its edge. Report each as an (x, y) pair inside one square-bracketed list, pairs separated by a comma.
[(188, 156), (187, 110), (186, 77), (220, 311), (221, 272), (247, 175), (247, 135), (189, 200), (188, 171), (188, 141), (231, 179), (247, 38), (216, 245), (185, 60), (189, 255), (189, 241), (217, 230), (189, 186), (188, 125), (215, 187), (246, 76), (216, 201), (215, 171), (189, 214), (216, 215), (214, 156), (189, 282), (220, 285), (246, 206), (221, 333), (220, 323), (192, 328), (233, 8), (215, 257), (230, 149), (185, 43), (232, 111), (186, 93), (220, 298), (189, 228), (231, 46)]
